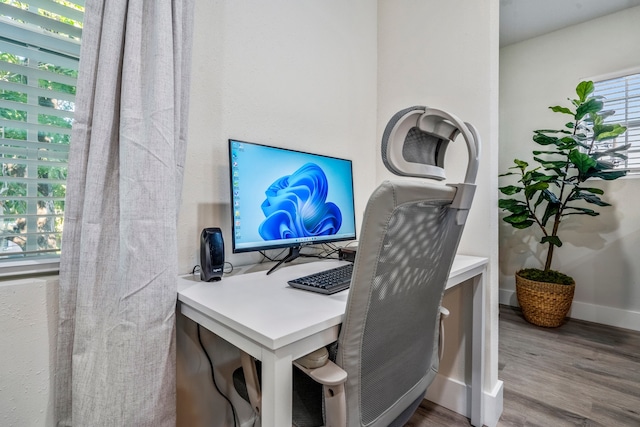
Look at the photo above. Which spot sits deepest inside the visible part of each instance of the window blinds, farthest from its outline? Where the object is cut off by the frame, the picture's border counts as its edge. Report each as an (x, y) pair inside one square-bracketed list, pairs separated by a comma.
[(622, 94), (39, 50)]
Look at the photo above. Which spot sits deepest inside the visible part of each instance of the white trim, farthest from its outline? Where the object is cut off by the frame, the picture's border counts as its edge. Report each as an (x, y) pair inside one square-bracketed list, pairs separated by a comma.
[(29, 266), (611, 316), (456, 396), (613, 75)]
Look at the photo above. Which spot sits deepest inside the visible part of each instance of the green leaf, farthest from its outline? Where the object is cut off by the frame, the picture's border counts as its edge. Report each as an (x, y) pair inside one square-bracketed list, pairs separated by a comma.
[(591, 190), (584, 89), (522, 225), (540, 177), (589, 198), (559, 109), (583, 162), (509, 203), (550, 197), (510, 190), (592, 105), (552, 131), (521, 164), (549, 164), (552, 240), (513, 206), (541, 199), (580, 211), (532, 189), (516, 218), (608, 175), (612, 131), (543, 139), (550, 211), (538, 152)]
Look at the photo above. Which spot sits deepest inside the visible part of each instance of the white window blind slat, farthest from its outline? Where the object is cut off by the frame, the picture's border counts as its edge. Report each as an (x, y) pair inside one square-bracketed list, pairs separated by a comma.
[(39, 74), (39, 50), (38, 92), (59, 9), (30, 37), (43, 56), (35, 19), (35, 109), (622, 94), (8, 144), (35, 127)]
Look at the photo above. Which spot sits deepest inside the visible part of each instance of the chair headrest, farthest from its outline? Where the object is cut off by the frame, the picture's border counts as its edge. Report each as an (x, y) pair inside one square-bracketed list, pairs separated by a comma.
[(415, 141)]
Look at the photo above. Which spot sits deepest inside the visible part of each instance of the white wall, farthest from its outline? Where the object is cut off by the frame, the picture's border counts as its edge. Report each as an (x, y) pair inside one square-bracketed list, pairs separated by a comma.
[(28, 331), (302, 75), (599, 252), (445, 55), (299, 75)]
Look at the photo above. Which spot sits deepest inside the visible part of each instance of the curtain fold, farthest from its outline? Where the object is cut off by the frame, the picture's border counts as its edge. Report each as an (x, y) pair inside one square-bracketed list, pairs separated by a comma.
[(116, 330)]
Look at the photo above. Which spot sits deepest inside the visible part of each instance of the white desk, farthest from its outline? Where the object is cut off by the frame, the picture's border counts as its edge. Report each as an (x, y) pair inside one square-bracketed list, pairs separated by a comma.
[(277, 324)]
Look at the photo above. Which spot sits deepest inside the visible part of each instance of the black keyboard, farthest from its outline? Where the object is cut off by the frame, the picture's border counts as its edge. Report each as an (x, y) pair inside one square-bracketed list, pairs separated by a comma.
[(327, 281)]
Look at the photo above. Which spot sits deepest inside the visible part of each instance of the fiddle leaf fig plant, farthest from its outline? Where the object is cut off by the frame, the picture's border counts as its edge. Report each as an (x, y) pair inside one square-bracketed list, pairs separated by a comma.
[(556, 187)]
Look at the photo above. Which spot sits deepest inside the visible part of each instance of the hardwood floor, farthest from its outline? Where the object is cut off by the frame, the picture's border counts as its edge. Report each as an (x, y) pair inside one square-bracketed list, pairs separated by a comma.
[(580, 374)]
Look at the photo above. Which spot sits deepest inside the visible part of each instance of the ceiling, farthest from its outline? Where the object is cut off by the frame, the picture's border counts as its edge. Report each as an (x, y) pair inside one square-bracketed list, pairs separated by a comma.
[(524, 19)]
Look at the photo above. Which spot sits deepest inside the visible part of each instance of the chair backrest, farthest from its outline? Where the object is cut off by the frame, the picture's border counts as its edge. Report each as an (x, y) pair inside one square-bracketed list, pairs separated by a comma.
[(410, 233)]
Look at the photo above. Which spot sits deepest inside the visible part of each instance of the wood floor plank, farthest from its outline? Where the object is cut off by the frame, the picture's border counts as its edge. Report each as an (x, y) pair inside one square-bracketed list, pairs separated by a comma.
[(580, 374)]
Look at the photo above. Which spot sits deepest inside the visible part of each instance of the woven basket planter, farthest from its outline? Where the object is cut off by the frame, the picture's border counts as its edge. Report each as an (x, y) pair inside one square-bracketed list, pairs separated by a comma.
[(544, 304)]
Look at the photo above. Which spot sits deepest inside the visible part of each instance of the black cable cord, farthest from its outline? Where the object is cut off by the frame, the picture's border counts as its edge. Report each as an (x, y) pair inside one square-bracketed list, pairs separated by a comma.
[(213, 377), (230, 265)]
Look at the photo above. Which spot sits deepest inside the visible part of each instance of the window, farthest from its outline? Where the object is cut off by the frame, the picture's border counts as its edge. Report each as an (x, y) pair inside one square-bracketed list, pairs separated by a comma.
[(39, 50), (622, 94)]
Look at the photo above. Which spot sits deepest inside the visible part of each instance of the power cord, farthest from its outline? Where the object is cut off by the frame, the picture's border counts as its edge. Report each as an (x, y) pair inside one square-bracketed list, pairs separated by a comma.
[(196, 268), (213, 377)]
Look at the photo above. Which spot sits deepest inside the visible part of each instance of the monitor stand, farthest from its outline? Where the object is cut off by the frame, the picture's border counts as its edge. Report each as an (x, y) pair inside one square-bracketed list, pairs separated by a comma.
[(294, 252)]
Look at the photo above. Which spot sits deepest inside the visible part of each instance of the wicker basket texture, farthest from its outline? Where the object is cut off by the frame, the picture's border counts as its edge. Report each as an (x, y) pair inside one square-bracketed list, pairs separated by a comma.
[(544, 304)]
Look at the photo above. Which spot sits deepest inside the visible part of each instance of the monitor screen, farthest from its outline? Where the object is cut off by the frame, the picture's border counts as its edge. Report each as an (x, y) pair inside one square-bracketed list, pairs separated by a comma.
[(285, 198)]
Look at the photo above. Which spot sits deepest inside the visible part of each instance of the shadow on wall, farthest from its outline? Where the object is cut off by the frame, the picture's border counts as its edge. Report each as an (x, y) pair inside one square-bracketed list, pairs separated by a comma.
[(522, 248), (595, 251), (608, 271)]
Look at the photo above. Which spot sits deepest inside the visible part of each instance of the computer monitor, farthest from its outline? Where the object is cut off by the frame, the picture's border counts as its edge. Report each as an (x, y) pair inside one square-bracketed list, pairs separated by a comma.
[(282, 198)]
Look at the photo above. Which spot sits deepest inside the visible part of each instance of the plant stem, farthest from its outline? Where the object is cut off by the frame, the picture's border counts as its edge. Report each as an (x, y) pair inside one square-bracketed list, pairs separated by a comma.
[(558, 216)]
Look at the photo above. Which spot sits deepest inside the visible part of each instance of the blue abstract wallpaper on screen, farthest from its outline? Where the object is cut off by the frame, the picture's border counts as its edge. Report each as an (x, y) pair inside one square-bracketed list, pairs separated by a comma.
[(296, 206), (282, 197)]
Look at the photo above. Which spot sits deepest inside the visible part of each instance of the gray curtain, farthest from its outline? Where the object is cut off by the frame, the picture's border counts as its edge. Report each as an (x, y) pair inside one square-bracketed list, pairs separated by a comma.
[(116, 332)]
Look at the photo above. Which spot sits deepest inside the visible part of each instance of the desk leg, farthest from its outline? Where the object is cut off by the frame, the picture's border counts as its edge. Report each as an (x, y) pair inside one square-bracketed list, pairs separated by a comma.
[(477, 346), (277, 389)]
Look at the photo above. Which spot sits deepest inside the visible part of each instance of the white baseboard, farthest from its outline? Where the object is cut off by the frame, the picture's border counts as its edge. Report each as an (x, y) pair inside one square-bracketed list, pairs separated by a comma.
[(456, 396), (611, 316)]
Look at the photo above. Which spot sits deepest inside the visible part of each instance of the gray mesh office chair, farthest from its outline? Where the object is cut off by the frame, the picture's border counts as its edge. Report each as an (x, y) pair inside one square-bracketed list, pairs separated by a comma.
[(387, 352)]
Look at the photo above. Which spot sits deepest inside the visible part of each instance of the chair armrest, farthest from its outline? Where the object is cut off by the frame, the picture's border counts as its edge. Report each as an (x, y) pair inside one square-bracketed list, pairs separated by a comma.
[(329, 374), (332, 377)]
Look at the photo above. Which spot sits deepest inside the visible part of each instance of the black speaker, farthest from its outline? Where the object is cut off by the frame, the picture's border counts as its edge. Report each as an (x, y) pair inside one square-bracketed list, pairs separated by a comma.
[(211, 254)]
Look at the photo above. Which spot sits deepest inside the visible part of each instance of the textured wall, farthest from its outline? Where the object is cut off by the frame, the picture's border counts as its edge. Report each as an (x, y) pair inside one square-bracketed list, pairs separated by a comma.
[(28, 321)]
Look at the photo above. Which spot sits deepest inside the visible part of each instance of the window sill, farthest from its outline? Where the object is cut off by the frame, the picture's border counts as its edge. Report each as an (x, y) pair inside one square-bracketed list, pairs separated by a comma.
[(13, 268)]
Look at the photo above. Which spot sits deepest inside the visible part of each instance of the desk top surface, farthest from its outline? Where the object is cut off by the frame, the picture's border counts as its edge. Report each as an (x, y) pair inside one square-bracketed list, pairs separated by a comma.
[(267, 310)]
